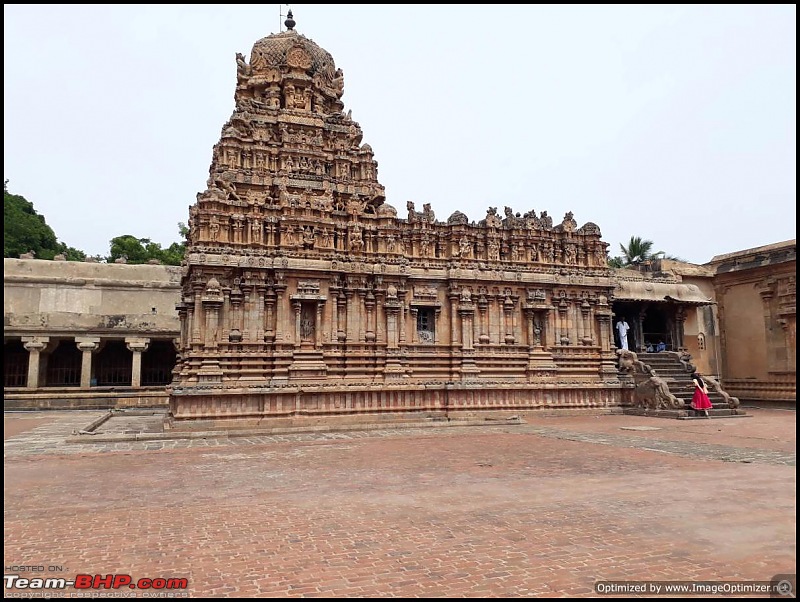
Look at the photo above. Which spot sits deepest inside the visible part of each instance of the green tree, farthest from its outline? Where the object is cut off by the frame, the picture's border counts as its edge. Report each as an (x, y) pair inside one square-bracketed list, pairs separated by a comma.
[(71, 253), (132, 249), (25, 230), (142, 250)]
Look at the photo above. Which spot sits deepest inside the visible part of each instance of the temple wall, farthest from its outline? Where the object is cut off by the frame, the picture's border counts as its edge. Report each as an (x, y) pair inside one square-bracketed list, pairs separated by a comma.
[(701, 329), (88, 335), (755, 292)]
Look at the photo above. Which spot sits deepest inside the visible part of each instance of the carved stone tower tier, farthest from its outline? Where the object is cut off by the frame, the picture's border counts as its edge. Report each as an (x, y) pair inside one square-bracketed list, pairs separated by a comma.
[(304, 293)]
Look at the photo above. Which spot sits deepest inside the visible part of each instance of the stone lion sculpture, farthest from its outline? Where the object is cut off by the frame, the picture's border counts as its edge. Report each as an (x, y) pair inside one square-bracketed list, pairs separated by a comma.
[(652, 392)]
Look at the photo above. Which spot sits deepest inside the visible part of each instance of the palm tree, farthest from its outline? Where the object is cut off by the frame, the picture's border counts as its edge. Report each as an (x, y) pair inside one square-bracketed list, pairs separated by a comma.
[(638, 251)]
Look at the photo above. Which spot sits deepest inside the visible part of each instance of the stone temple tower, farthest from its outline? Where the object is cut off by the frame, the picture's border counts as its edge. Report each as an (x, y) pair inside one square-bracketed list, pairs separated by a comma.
[(304, 293)]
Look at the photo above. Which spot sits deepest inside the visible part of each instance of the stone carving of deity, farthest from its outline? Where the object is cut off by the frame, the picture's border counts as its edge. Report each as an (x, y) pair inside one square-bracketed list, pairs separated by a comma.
[(494, 250), (325, 238), (213, 228), (465, 248), (308, 236), (356, 242), (255, 230), (569, 254), (306, 327), (425, 246), (290, 235)]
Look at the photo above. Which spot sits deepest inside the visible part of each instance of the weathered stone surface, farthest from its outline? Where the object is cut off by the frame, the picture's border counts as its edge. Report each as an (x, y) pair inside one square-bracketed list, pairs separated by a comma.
[(305, 293), (757, 298)]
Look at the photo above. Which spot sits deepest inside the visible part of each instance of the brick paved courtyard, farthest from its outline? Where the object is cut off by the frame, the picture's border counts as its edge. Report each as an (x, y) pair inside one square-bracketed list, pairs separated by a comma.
[(544, 508)]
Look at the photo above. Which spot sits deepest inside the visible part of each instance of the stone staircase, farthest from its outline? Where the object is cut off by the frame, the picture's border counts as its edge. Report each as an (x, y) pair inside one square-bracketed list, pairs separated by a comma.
[(669, 367)]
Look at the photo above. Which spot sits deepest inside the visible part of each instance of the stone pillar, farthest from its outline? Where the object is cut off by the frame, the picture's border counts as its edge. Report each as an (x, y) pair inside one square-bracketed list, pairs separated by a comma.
[(508, 310), (402, 318), (198, 312), (392, 311), (586, 323), (318, 326), (352, 333), (369, 307), (551, 332), (226, 314), (453, 296), (360, 314), (260, 292), (280, 313), (414, 336), (380, 318), (334, 334), (680, 322), (297, 306), (476, 330), (269, 308), (87, 345), (529, 315), (466, 312), (483, 306), (137, 346), (341, 317), (34, 345), (606, 338), (605, 326), (183, 316), (235, 333), (638, 345), (247, 310), (212, 323), (563, 330)]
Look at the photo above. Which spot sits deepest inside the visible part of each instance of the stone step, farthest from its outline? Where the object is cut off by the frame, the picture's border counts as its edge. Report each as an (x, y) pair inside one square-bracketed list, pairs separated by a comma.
[(716, 412)]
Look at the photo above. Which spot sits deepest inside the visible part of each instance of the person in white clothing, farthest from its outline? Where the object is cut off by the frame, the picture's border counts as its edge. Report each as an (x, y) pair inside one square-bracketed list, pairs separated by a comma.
[(622, 331)]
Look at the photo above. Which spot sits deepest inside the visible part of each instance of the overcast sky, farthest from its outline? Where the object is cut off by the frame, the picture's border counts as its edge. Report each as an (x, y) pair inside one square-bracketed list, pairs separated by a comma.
[(673, 123)]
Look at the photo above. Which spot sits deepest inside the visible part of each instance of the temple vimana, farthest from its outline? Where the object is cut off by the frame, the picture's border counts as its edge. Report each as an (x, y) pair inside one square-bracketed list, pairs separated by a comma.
[(305, 294), (306, 291)]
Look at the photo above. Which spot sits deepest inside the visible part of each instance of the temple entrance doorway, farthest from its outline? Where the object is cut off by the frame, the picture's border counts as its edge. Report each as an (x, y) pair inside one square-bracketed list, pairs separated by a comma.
[(656, 329)]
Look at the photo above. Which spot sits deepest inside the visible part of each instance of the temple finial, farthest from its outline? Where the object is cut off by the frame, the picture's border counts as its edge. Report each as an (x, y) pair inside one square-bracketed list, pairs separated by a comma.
[(289, 22)]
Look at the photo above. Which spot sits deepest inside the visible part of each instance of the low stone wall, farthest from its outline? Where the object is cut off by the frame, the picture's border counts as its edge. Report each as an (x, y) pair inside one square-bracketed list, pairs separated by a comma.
[(72, 399), (289, 402), (779, 392)]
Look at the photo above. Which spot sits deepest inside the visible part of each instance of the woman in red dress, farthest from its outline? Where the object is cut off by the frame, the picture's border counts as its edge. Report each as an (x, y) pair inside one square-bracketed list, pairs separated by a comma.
[(700, 400)]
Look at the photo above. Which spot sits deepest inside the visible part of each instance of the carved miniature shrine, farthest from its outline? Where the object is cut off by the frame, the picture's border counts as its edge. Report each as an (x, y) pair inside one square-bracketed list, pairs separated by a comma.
[(305, 293)]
